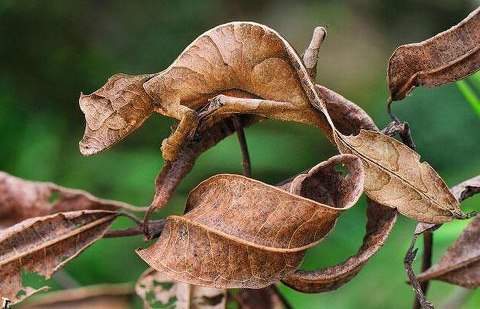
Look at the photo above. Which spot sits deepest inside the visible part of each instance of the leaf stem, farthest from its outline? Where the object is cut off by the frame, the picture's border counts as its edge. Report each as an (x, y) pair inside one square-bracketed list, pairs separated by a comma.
[(247, 166), (155, 228)]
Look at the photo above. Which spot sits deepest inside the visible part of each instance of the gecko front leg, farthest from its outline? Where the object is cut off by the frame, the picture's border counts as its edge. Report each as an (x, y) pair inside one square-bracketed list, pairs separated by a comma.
[(185, 131)]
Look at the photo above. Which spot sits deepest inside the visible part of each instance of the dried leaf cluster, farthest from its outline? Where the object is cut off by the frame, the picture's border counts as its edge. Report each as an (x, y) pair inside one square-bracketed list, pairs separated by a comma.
[(238, 232)]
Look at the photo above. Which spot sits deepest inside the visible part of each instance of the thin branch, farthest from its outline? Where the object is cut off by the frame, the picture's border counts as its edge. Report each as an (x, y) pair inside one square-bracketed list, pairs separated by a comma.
[(247, 166), (154, 227), (390, 113), (131, 217), (403, 130), (426, 264), (408, 263)]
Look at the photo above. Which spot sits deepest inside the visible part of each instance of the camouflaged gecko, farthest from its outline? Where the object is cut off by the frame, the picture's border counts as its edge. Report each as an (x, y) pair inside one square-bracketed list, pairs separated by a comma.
[(241, 67)]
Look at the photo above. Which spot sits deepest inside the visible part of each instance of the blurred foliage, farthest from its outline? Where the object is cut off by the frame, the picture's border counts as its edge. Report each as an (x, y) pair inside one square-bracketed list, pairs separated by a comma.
[(469, 88), (51, 51)]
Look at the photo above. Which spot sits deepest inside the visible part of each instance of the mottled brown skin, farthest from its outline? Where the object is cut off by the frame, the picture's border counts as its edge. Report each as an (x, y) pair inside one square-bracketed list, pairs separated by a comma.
[(235, 60), (114, 111), (245, 68)]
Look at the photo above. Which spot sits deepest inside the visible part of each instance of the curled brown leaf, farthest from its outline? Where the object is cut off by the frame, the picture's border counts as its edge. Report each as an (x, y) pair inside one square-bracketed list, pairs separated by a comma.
[(239, 232), (380, 222), (449, 56), (156, 289), (44, 244), (21, 199), (467, 188), (461, 263)]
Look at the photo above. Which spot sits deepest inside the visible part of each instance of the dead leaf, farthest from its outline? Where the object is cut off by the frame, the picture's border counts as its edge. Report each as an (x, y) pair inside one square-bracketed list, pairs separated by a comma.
[(239, 232), (159, 291), (380, 222), (44, 244), (447, 57), (396, 178), (91, 297), (461, 263), (21, 199), (114, 111), (467, 188)]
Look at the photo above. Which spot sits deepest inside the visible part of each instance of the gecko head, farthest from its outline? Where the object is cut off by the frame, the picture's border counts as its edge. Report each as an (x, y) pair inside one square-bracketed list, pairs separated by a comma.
[(114, 111)]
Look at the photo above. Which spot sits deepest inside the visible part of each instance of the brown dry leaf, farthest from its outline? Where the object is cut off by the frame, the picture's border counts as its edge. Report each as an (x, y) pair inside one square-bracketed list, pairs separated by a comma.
[(92, 297), (265, 298), (395, 177), (159, 291), (21, 199), (467, 188), (461, 263), (114, 111), (247, 68), (381, 221), (44, 244), (239, 232), (447, 57)]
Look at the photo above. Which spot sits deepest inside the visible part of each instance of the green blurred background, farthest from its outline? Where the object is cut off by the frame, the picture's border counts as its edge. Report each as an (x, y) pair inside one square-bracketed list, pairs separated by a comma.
[(51, 51)]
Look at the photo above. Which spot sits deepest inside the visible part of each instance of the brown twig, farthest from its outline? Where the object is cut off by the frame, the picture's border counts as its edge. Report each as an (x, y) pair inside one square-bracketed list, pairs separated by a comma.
[(247, 166), (390, 113), (173, 172), (403, 130), (426, 264), (155, 228), (408, 263)]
